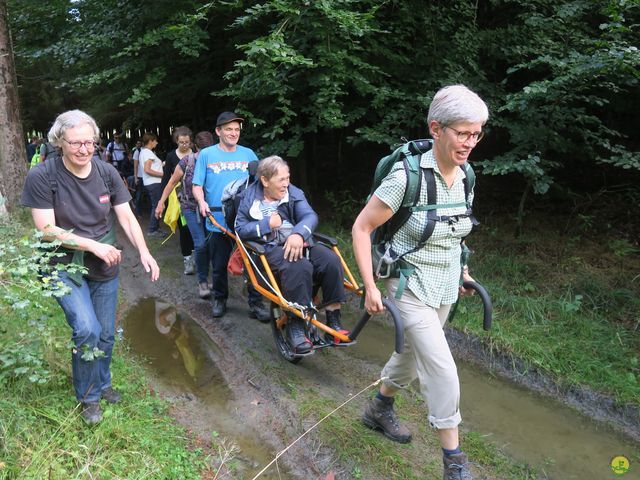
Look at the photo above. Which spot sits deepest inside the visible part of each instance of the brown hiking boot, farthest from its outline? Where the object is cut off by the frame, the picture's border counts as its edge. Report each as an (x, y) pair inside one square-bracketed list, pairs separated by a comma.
[(456, 467), (91, 412), (381, 416), (110, 395)]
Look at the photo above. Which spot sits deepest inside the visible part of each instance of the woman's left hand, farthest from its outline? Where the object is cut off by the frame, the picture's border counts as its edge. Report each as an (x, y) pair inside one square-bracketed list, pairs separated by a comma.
[(293, 247), (159, 210), (150, 265), (467, 278)]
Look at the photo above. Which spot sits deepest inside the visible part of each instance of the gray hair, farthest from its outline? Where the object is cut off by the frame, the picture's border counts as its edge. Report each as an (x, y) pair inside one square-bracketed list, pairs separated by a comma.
[(268, 167), (71, 119), (456, 103)]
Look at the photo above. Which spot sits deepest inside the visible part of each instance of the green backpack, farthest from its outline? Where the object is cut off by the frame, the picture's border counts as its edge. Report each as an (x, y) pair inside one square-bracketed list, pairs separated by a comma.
[(387, 262)]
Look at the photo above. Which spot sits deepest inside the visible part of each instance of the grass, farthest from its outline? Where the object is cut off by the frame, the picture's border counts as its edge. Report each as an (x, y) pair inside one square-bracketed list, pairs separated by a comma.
[(42, 435)]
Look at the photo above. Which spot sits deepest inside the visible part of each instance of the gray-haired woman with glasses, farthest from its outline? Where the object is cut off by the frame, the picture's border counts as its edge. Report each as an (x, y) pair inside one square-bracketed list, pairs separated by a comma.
[(455, 120), (72, 198)]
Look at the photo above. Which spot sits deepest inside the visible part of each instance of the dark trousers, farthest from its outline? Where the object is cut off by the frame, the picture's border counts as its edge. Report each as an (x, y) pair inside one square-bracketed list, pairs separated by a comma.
[(186, 242), (155, 192), (297, 278), (220, 247)]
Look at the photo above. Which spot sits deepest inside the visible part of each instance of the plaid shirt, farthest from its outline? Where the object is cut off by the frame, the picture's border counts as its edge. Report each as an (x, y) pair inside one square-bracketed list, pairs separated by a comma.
[(437, 276)]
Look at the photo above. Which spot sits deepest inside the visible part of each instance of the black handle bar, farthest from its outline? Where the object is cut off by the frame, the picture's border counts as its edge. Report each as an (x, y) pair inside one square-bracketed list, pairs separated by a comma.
[(486, 302), (397, 320)]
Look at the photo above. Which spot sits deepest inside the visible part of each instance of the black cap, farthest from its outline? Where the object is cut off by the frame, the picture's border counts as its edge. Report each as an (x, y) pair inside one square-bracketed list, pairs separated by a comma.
[(227, 117)]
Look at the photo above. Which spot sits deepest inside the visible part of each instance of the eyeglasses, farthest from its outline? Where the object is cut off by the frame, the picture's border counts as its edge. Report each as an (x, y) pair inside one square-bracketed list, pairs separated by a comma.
[(464, 137), (89, 144)]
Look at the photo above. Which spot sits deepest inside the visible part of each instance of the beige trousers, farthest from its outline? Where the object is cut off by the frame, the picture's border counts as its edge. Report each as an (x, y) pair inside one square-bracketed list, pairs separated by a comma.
[(427, 357)]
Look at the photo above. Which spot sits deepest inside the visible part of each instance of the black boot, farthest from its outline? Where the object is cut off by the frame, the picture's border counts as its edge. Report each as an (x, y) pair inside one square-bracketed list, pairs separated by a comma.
[(333, 321)]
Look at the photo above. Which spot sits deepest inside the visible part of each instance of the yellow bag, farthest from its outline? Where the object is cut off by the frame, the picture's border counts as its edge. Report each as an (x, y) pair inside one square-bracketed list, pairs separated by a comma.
[(172, 214)]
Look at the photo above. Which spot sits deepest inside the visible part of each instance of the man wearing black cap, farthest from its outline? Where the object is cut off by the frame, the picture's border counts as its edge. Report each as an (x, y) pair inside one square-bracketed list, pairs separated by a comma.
[(216, 167)]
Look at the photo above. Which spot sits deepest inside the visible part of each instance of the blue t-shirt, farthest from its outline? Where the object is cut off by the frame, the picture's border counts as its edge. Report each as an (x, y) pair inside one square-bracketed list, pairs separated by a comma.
[(215, 169)]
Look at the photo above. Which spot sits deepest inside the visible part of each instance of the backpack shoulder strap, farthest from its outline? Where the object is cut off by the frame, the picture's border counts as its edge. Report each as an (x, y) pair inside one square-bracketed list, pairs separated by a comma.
[(51, 169), (469, 181), (106, 177)]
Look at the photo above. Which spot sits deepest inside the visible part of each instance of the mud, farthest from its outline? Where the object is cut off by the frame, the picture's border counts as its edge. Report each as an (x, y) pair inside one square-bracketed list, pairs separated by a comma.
[(245, 348)]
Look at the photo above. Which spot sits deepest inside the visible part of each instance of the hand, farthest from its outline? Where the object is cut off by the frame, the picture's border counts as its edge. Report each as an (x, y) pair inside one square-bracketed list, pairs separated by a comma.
[(467, 278), (137, 180), (373, 301), (293, 247), (275, 221), (204, 209), (150, 265), (159, 209), (107, 253)]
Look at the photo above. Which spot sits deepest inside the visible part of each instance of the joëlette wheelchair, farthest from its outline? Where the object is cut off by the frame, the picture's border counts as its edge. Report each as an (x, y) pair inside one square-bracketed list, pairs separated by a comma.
[(262, 278)]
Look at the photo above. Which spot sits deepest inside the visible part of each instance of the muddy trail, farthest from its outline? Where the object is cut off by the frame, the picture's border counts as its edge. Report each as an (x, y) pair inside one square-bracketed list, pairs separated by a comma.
[(268, 403)]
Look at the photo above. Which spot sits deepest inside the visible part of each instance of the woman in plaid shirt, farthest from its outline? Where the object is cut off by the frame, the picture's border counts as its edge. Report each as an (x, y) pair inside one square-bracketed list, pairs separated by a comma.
[(455, 119)]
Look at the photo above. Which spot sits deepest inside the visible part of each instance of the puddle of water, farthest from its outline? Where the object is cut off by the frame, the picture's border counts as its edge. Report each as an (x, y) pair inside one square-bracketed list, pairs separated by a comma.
[(539, 431), (182, 361)]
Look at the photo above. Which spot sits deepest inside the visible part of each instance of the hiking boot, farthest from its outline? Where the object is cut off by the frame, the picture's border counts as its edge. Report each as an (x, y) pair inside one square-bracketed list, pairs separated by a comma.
[(203, 290), (381, 416), (456, 467), (333, 321), (297, 336), (219, 307), (91, 413), (110, 395), (257, 310), (189, 265)]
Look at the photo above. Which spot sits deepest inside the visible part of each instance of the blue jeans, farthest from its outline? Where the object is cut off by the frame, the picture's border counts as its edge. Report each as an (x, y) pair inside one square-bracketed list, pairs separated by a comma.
[(91, 313), (195, 223), (155, 192)]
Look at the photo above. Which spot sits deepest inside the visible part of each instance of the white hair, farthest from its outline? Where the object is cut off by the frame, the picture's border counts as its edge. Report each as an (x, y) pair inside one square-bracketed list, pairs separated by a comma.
[(71, 119), (456, 103)]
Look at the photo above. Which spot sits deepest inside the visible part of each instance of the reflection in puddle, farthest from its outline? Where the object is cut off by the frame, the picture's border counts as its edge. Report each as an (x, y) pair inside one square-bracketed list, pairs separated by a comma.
[(555, 439), (182, 363)]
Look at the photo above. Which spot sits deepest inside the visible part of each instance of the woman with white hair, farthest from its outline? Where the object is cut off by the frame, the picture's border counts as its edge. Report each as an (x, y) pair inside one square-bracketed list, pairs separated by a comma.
[(73, 199), (455, 120)]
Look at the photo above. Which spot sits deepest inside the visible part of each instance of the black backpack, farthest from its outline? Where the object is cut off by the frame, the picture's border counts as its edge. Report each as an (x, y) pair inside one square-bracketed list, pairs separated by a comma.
[(232, 194)]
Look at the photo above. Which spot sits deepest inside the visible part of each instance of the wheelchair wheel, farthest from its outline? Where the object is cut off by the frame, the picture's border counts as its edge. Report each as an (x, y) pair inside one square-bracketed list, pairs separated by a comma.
[(280, 336)]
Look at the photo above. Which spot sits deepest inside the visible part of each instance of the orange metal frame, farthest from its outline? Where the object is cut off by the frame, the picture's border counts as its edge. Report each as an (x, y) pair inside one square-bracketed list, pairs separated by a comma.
[(349, 282)]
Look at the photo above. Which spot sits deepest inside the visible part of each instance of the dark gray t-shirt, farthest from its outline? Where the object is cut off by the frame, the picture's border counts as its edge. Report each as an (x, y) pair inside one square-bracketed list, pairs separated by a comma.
[(80, 204)]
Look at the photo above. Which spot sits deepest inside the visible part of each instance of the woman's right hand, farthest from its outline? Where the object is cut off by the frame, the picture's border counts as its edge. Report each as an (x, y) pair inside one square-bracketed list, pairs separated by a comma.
[(373, 301), (275, 221), (107, 253)]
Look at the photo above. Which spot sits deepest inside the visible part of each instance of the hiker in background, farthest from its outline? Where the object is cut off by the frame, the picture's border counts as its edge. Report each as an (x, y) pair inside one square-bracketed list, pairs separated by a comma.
[(32, 148), (151, 178), (117, 151), (182, 136), (72, 199), (277, 214), (189, 208), (455, 120), (48, 151), (137, 177), (217, 166)]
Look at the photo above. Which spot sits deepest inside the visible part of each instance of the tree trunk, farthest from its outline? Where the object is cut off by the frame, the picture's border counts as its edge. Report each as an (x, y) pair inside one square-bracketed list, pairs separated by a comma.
[(13, 156)]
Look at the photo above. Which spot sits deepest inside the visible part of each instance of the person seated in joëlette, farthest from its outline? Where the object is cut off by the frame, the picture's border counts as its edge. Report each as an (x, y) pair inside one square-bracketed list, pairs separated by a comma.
[(276, 213)]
